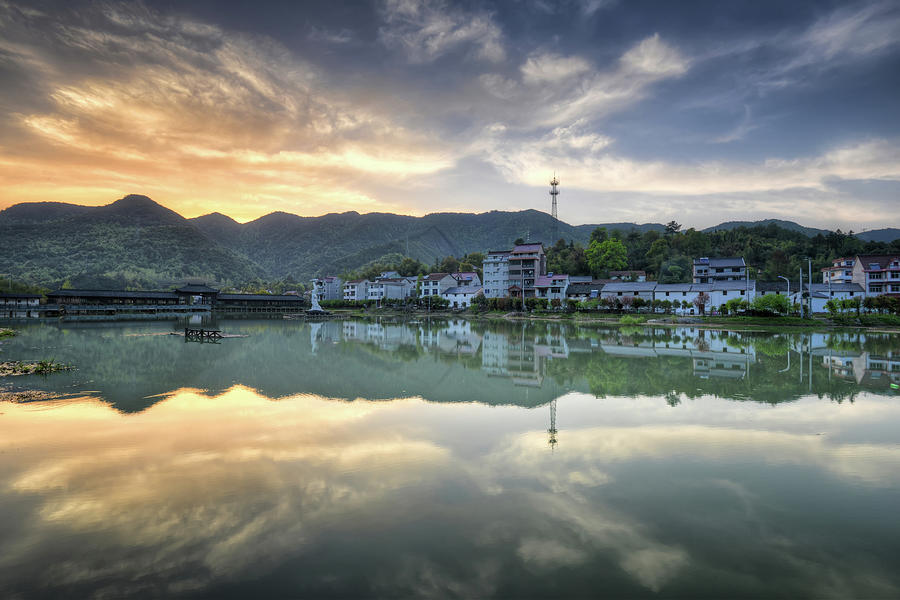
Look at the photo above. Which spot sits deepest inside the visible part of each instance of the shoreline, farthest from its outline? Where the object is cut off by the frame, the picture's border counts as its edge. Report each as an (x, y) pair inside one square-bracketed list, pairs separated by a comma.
[(725, 323)]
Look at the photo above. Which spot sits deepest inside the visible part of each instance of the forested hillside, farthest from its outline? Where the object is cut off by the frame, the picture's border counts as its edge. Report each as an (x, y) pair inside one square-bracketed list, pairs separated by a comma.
[(285, 244), (132, 242), (769, 250), (135, 242)]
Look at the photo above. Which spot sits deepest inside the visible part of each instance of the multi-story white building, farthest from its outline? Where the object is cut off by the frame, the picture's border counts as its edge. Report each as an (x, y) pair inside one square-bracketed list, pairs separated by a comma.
[(527, 262), (328, 288), (357, 289), (496, 274), (435, 284), (840, 271), (392, 288), (709, 270), (877, 273)]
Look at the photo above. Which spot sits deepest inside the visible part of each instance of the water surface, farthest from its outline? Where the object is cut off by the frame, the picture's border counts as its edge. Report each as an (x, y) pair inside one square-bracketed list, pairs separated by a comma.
[(450, 459)]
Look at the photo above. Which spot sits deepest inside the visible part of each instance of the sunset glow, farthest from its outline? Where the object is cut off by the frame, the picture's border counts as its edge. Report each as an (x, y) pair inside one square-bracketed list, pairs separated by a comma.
[(417, 107)]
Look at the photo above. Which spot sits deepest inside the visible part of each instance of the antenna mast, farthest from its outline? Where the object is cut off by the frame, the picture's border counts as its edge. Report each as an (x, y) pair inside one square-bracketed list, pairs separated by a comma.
[(553, 194)]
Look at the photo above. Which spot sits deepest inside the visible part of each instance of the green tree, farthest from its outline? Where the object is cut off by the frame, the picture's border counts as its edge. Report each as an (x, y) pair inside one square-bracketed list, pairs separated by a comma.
[(772, 304), (599, 235), (657, 255), (449, 265), (610, 255)]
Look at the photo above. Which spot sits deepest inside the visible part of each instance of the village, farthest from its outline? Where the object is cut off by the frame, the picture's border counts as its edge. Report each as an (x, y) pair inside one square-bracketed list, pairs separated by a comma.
[(515, 279), (521, 274)]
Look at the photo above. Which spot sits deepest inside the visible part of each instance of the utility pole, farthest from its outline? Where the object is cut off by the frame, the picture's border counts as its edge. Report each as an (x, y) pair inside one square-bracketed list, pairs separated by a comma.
[(809, 279)]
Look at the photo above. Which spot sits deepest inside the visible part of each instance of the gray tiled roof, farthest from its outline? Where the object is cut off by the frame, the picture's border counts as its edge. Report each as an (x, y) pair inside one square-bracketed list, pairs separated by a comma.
[(729, 261), (583, 288), (262, 297), (112, 294), (633, 286), (196, 288), (733, 285)]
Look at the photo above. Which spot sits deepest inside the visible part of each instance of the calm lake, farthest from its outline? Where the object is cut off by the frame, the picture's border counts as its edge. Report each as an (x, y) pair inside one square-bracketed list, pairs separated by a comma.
[(449, 458)]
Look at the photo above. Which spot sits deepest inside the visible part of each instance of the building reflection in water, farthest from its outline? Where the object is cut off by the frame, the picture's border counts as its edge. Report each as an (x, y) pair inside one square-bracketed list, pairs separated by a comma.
[(867, 369)]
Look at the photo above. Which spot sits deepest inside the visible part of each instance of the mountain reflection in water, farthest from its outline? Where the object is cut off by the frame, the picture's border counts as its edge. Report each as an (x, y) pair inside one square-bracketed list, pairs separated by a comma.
[(376, 459)]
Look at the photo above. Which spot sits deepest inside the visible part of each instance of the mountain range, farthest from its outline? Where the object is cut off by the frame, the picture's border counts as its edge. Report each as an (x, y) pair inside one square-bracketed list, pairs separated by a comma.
[(136, 242)]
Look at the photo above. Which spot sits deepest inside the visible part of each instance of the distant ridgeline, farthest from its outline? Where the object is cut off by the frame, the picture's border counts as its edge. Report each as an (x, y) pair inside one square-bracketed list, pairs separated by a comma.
[(139, 244)]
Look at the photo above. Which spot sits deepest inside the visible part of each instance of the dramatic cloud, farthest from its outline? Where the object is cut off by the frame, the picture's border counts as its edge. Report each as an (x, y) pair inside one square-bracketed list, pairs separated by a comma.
[(416, 106), (428, 30)]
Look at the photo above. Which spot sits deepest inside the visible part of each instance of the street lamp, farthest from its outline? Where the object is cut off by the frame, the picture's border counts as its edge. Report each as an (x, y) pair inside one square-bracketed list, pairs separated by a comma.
[(788, 284)]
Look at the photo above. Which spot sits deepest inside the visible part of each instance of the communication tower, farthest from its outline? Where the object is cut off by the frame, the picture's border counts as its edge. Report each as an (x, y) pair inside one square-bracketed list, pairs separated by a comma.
[(553, 194), (552, 441)]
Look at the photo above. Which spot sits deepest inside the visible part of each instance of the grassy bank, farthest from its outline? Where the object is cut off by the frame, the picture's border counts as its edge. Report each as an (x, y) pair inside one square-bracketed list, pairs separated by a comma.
[(881, 322), (5, 333)]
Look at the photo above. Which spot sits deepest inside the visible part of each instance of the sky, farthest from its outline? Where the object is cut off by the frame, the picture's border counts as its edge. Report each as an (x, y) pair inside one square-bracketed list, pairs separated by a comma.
[(701, 112)]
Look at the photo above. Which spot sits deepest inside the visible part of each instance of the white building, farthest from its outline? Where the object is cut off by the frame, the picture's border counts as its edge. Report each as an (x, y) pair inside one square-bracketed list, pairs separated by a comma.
[(527, 262), (467, 279), (823, 292), (877, 274), (629, 289), (721, 292), (496, 274), (394, 288), (358, 289), (462, 297), (840, 271), (435, 284), (328, 288), (709, 270)]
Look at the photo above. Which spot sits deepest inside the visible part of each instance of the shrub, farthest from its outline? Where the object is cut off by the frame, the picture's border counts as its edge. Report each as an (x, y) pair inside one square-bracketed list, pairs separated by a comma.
[(631, 320), (771, 304)]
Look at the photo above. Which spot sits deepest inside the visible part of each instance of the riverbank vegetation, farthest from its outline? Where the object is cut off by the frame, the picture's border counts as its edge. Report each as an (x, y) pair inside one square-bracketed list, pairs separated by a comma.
[(41, 367)]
